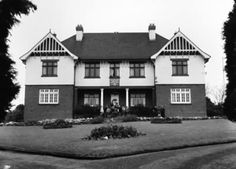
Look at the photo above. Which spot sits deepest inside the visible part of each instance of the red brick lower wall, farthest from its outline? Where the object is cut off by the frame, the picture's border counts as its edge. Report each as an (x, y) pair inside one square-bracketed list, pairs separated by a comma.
[(36, 111), (196, 108)]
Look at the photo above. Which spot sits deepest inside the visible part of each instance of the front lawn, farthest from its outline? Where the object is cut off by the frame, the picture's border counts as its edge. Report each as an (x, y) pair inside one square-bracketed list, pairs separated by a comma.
[(69, 142)]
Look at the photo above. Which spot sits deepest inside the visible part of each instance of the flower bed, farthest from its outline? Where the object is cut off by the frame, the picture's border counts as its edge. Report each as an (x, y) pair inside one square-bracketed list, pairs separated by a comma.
[(113, 131), (59, 123), (166, 120)]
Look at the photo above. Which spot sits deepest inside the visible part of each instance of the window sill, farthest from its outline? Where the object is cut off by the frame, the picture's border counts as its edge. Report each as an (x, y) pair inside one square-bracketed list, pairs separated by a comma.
[(181, 103), (181, 75), (137, 77), (114, 77), (92, 77), (49, 76), (48, 103)]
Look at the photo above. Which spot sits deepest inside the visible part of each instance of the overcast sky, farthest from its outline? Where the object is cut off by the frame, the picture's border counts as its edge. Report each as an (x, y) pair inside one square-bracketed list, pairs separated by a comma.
[(200, 20)]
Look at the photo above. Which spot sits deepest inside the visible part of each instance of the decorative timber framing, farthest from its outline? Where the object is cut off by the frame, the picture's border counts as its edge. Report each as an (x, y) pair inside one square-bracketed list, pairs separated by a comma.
[(48, 46), (180, 44)]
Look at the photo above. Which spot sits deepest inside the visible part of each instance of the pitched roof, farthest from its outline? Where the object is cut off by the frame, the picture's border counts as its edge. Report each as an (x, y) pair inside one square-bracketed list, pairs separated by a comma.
[(114, 46)]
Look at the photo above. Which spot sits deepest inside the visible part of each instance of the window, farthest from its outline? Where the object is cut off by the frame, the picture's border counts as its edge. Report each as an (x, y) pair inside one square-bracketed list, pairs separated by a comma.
[(92, 70), (48, 96), (91, 99), (137, 70), (137, 99), (49, 68), (180, 96), (114, 70), (179, 68)]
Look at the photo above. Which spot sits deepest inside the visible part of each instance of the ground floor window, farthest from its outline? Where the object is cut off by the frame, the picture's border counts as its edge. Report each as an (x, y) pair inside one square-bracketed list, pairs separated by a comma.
[(91, 99), (180, 96), (137, 99), (48, 96)]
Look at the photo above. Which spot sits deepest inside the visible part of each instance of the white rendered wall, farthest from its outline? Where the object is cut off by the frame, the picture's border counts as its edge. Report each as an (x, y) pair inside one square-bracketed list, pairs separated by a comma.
[(104, 79), (65, 72), (196, 71)]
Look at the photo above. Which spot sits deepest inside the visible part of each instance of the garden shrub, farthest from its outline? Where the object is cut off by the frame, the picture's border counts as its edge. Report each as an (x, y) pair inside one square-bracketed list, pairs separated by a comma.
[(126, 118), (32, 123), (17, 115), (86, 111), (59, 123), (113, 131), (96, 120), (142, 111), (166, 120), (213, 109)]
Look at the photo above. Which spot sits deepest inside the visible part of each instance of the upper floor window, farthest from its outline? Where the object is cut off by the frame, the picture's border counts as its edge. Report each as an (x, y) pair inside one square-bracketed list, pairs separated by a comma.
[(49, 68), (92, 70), (137, 70), (114, 70), (48, 96), (179, 68), (180, 96)]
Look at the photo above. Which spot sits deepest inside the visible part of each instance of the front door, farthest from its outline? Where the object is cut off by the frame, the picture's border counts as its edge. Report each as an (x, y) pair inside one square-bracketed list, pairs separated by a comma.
[(115, 98)]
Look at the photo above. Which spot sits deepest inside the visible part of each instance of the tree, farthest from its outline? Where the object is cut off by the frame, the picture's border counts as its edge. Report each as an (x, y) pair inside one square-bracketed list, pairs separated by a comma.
[(9, 88), (229, 36)]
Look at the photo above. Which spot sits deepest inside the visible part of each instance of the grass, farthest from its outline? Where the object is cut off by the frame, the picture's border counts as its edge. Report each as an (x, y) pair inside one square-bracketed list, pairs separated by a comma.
[(69, 143)]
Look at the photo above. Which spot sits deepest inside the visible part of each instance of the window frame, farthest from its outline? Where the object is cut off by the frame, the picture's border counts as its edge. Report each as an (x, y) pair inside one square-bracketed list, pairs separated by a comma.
[(137, 69), (115, 67), (134, 96), (93, 70), (179, 67), (49, 68), (180, 96), (89, 96), (46, 94)]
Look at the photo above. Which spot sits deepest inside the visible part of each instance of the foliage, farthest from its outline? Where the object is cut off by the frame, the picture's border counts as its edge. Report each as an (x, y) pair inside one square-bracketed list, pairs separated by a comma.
[(16, 115), (213, 109), (142, 111), (86, 111), (96, 120), (229, 36), (126, 118), (9, 11), (113, 131), (59, 123), (166, 120)]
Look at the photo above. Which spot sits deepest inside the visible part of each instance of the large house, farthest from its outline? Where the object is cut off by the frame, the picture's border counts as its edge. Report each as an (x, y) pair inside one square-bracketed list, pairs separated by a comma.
[(132, 68)]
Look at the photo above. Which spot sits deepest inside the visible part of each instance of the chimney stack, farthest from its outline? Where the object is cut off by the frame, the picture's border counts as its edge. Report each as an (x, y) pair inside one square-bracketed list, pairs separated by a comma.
[(152, 32), (79, 32)]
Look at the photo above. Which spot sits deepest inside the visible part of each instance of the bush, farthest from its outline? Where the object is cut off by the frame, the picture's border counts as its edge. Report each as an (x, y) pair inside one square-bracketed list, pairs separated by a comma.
[(113, 131), (86, 111), (212, 109), (59, 123), (166, 120), (16, 115), (126, 118), (142, 111), (96, 120)]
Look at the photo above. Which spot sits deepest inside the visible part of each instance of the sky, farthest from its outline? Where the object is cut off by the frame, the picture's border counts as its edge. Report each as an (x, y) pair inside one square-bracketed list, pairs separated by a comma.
[(200, 20)]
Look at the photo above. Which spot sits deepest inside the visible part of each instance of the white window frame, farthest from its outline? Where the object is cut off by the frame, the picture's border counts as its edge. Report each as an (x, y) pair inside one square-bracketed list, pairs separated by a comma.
[(136, 98), (48, 96), (180, 95)]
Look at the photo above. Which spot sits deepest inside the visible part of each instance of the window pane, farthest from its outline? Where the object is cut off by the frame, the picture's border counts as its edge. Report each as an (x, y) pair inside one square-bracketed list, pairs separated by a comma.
[(131, 72)]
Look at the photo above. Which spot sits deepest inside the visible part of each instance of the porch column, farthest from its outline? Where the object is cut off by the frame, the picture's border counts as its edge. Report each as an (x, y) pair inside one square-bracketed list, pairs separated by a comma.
[(101, 105), (127, 97)]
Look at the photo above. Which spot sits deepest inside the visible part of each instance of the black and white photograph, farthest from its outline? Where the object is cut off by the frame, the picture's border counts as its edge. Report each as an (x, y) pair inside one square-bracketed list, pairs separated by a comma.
[(118, 84)]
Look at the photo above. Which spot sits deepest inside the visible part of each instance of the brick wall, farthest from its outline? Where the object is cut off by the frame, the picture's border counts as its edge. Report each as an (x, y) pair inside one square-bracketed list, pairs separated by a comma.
[(36, 111), (196, 108)]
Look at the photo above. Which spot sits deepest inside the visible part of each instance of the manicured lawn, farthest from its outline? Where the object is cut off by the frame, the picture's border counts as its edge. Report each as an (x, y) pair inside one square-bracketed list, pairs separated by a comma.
[(68, 142)]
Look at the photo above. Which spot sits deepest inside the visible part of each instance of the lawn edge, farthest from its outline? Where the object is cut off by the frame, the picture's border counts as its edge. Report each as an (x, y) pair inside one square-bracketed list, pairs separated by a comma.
[(107, 156)]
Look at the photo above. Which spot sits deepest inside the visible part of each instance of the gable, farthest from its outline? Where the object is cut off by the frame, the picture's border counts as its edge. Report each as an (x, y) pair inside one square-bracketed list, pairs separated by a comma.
[(179, 44), (48, 46)]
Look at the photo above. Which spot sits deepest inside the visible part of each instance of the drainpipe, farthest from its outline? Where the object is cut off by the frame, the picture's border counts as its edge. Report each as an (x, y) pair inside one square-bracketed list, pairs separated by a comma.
[(74, 88)]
